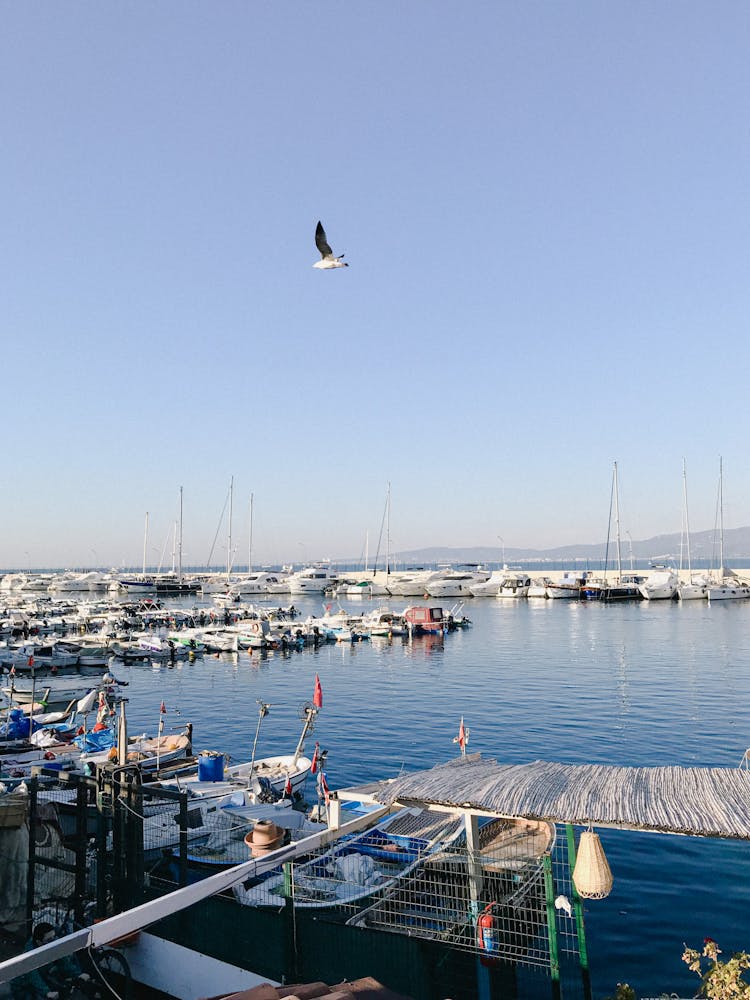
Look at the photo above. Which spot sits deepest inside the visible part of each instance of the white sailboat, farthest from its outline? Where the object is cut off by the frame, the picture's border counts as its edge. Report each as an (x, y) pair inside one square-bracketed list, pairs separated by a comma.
[(727, 587), (696, 587), (625, 585)]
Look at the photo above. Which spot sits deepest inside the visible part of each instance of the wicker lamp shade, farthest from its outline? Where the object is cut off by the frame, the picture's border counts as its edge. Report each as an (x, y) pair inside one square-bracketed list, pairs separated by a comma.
[(592, 875)]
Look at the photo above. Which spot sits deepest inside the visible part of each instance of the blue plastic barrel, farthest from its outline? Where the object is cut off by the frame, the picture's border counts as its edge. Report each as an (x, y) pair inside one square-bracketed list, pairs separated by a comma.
[(211, 766)]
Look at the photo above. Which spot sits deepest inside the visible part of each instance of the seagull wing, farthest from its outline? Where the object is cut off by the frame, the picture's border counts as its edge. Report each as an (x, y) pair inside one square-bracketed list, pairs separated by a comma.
[(321, 243)]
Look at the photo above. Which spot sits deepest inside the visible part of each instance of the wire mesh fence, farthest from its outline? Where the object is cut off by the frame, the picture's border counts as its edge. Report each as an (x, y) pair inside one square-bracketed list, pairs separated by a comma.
[(445, 884), (509, 897)]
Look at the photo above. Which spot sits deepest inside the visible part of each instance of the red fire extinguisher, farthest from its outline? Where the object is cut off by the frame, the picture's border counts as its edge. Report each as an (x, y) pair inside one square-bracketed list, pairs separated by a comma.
[(487, 938)]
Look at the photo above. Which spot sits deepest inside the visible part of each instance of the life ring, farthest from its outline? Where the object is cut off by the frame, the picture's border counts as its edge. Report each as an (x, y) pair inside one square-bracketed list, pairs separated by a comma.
[(255, 627)]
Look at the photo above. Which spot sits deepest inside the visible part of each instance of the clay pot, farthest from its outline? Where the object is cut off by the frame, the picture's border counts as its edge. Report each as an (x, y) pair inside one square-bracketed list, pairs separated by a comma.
[(264, 837)]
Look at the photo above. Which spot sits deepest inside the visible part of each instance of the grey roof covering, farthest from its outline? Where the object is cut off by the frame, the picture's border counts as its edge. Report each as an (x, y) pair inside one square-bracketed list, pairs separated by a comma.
[(702, 801)]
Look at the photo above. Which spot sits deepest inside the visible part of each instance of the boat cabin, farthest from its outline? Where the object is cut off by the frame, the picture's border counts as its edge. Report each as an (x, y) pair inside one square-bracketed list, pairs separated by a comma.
[(425, 619)]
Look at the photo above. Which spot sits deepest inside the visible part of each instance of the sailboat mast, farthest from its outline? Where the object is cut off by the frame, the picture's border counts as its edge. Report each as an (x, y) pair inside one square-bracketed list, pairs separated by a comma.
[(229, 535), (721, 518), (145, 544), (388, 532), (250, 539), (687, 520), (179, 547), (617, 525)]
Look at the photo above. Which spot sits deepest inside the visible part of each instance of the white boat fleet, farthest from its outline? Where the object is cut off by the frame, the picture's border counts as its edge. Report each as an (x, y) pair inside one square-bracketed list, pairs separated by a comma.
[(460, 582)]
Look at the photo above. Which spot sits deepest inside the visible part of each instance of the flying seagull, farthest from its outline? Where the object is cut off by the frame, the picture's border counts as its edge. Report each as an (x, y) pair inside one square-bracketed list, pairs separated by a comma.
[(328, 260)]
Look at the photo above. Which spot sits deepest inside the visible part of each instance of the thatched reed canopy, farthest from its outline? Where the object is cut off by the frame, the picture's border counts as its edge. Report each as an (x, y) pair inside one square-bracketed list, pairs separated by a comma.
[(701, 801)]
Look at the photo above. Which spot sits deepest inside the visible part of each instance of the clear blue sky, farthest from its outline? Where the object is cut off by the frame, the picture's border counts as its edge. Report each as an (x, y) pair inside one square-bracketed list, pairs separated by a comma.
[(545, 207)]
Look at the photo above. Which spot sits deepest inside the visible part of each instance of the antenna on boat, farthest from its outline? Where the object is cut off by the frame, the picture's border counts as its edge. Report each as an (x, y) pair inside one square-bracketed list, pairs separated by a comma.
[(308, 712), (263, 707)]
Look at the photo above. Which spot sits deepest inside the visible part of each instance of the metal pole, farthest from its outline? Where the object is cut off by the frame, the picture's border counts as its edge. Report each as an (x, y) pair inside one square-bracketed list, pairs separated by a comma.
[(183, 865), (33, 786), (82, 786), (549, 896), (577, 902), (310, 714)]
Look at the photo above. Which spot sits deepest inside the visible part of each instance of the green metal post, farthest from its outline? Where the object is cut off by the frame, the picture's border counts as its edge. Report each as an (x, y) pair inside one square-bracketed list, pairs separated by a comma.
[(577, 903), (578, 910), (549, 895)]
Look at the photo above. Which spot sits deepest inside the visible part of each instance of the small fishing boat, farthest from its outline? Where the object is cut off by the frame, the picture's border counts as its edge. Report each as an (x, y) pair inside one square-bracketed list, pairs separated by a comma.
[(440, 898), (360, 866), (421, 620)]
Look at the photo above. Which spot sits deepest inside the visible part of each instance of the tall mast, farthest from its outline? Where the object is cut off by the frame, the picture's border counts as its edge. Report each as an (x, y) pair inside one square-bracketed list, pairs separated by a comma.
[(617, 525), (250, 539), (229, 538), (179, 547), (687, 520), (388, 532), (145, 544), (721, 518)]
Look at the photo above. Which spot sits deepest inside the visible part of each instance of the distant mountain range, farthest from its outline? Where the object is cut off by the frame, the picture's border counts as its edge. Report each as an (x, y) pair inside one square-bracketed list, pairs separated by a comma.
[(704, 546)]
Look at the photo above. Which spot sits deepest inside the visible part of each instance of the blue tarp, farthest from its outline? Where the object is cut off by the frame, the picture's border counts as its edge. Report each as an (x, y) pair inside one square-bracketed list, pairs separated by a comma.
[(92, 742)]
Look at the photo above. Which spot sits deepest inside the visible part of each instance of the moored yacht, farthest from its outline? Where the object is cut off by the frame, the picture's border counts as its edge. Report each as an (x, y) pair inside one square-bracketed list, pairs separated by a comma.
[(455, 583), (490, 586), (728, 588), (659, 585), (515, 584), (568, 587), (696, 589), (312, 580), (410, 583)]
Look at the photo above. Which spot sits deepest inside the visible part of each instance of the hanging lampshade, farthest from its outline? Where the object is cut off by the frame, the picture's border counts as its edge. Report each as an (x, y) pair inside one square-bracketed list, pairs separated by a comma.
[(592, 875)]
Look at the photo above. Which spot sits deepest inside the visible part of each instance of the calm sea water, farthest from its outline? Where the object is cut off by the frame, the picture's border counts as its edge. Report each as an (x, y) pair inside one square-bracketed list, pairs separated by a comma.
[(631, 684)]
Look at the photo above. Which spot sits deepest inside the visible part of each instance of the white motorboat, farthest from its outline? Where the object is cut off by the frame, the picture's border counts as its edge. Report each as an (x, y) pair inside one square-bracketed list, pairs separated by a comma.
[(51, 690), (76, 581), (259, 583), (660, 585), (410, 583), (312, 580), (455, 583), (538, 587), (568, 587), (367, 587), (515, 584)]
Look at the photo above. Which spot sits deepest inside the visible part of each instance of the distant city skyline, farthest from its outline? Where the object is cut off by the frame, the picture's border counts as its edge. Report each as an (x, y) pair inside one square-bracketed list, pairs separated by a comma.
[(545, 214)]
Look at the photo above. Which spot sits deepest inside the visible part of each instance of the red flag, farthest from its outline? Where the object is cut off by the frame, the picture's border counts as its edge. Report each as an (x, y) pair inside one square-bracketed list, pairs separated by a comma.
[(12, 671), (31, 661), (288, 788), (318, 696), (314, 762), (461, 738), (163, 708)]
